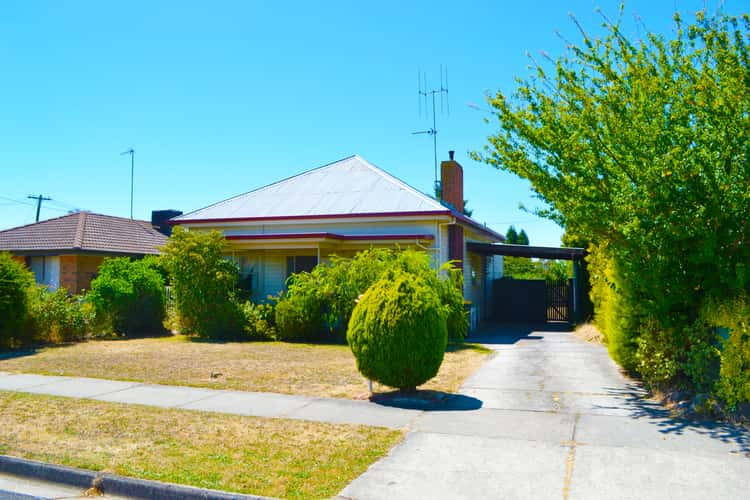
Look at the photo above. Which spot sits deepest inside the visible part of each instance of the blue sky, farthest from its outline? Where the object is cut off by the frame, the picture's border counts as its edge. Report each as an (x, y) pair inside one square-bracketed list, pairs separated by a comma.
[(218, 98)]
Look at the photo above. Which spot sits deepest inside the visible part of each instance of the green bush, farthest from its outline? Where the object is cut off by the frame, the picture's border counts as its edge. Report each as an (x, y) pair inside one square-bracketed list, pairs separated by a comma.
[(398, 332), (203, 284), (319, 304), (259, 321), (16, 281), (732, 317), (129, 297), (300, 314), (58, 317)]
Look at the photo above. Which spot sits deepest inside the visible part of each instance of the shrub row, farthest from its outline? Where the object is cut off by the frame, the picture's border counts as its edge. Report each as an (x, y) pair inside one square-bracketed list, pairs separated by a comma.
[(318, 304)]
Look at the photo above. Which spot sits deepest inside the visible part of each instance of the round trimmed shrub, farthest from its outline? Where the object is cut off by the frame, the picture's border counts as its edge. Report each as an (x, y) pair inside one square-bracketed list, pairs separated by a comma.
[(398, 331)]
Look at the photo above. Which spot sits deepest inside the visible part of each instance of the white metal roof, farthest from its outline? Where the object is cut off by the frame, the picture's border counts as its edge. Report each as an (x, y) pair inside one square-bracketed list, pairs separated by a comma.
[(349, 186)]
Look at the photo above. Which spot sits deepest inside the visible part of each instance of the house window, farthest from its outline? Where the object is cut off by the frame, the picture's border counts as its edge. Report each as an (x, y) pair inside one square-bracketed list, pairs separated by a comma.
[(46, 271), (297, 264)]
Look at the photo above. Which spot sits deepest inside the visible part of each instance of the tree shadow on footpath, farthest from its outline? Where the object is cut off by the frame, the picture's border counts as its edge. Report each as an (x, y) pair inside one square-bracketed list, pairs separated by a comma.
[(426, 400), (636, 402)]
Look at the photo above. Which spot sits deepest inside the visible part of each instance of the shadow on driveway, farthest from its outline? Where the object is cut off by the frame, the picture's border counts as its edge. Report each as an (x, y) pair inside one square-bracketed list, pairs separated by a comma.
[(634, 399), (511, 333), (427, 401)]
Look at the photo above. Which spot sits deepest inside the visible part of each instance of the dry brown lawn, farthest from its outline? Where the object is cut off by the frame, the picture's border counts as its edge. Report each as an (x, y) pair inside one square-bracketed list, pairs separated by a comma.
[(305, 369), (271, 457)]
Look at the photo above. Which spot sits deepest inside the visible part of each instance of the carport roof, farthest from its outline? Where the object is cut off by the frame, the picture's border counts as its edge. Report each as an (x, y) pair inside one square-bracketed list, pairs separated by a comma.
[(556, 253)]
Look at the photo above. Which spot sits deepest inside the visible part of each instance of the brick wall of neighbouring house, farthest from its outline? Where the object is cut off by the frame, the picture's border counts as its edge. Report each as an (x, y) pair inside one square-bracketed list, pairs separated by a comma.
[(88, 266), (69, 272)]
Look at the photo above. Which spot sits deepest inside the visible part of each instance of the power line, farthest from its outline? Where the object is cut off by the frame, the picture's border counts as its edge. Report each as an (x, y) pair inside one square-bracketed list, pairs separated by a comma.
[(17, 201)]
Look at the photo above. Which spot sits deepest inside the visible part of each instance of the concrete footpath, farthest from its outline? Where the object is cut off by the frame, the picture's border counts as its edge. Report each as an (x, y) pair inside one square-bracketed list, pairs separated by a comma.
[(558, 420), (259, 404)]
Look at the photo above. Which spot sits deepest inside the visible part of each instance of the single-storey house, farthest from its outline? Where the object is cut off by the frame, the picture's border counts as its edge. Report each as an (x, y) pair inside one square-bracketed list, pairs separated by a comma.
[(344, 207), (67, 251)]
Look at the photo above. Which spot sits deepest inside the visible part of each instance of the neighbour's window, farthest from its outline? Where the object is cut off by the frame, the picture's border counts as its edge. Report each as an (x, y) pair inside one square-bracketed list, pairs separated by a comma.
[(297, 264)]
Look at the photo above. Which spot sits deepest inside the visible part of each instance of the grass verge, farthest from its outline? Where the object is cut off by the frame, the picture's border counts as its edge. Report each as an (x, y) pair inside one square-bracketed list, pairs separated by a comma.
[(305, 369), (272, 457)]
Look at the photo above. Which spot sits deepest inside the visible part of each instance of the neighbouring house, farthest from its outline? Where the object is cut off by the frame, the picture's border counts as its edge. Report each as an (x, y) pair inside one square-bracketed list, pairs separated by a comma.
[(67, 251), (342, 208)]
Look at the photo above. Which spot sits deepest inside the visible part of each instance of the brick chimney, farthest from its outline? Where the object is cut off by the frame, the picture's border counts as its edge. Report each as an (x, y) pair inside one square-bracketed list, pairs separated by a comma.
[(452, 186), (452, 183)]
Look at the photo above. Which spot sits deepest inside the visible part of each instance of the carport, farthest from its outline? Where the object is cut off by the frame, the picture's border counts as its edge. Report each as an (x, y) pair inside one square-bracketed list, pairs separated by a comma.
[(536, 300)]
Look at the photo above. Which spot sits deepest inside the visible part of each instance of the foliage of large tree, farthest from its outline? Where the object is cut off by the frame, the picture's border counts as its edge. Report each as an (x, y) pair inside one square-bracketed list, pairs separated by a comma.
[(642, 147)]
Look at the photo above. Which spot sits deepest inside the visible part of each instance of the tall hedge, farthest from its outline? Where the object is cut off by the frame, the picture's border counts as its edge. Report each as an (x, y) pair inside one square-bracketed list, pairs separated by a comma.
[(16, 282), (640, 147), (129, 296), (398, 331)]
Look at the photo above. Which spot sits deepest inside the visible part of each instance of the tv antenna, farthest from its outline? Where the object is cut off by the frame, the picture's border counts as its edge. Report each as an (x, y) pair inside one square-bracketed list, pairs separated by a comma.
[(424, 94)]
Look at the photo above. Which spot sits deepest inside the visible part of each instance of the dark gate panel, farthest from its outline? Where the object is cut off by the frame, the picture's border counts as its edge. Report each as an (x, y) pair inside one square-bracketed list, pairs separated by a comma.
[(520, 301), (531, 301)]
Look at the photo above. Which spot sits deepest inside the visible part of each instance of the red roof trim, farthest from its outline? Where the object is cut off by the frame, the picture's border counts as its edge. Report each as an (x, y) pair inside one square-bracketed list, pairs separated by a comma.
[(331, 236), (479, 227), (460, 217), (310, 217)]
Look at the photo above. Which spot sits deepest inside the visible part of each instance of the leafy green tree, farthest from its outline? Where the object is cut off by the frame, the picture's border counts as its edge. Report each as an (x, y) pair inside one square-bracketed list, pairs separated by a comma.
[(641, 147), (523, 239), (203, 284), (511, 236)]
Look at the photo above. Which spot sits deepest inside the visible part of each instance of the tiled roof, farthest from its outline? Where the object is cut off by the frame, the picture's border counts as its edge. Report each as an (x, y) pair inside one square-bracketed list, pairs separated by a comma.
[(349, 186), (85, 231)]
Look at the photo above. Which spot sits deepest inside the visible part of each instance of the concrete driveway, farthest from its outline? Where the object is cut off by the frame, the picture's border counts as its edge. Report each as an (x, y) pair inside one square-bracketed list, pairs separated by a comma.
[(557, 420)]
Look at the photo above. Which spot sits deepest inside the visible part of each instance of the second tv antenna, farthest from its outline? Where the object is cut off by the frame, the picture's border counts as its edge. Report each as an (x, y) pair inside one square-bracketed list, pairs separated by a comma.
[(424, 94)]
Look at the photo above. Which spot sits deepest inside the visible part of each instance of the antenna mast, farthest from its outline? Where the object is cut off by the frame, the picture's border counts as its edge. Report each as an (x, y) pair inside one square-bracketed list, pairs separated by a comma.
[(131, 152), (425, 93)]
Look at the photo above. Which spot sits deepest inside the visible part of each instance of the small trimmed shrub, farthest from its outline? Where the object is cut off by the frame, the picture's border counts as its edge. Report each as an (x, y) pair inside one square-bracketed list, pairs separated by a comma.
[(16, 281), (58, 317), (398, 332), (259, 321), (129, 298)]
